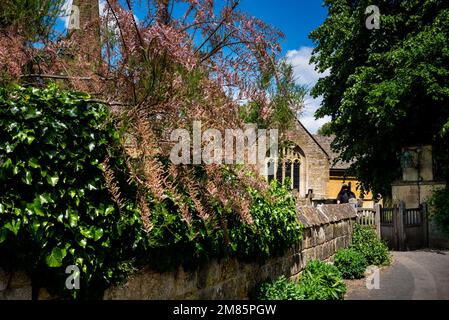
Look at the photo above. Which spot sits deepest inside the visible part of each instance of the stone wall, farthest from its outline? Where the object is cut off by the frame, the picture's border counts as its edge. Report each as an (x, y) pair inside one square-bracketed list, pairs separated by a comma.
[(14, 286), (327, 229)]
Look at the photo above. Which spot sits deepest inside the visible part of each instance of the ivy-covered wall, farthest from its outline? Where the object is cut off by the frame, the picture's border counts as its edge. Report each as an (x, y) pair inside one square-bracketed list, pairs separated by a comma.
[(327, 229), (68, 199)]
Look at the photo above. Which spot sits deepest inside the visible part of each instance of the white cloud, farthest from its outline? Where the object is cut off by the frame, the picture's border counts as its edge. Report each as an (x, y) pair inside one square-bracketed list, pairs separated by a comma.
[(308, 116), (306, 75)]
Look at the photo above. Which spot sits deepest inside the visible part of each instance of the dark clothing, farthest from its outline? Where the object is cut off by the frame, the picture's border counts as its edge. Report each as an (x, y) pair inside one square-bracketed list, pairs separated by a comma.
[(343, 197)]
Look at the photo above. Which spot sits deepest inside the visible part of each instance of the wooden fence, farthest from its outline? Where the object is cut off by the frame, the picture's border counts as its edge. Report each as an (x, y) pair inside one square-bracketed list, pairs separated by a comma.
[(370, 217), (401, 228)]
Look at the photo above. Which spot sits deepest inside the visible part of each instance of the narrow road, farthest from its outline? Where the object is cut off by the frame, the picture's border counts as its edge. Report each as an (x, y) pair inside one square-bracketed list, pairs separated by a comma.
[(413, 275)]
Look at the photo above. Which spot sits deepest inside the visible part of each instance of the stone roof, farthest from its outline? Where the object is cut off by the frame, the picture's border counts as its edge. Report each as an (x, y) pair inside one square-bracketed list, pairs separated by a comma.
[(324, 214), (325, 143)]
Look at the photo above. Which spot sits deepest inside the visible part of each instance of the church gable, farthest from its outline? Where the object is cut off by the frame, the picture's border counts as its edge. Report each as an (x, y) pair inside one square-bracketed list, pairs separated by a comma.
[(301, 159), (315, 175)]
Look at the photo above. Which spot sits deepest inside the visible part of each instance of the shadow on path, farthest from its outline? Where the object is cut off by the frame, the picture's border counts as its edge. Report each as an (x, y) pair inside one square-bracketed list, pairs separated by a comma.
[(413, 275)]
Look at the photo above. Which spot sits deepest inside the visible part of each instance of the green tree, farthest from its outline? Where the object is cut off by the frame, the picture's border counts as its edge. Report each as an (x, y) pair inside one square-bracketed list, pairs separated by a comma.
[(35, 18), (387, 87), (325, 129)]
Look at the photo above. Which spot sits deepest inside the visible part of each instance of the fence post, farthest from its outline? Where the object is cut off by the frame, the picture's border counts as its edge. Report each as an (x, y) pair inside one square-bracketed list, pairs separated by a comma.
[(401, 228), (377, 219), (425, 222)]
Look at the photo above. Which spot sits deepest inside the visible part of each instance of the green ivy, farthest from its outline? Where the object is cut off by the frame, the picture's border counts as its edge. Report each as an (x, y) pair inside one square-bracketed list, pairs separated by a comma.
[(54, 208), (275, 224)]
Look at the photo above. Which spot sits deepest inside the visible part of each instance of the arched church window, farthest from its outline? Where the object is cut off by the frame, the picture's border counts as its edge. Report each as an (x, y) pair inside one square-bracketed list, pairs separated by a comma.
[(287, 166), (296, 174)]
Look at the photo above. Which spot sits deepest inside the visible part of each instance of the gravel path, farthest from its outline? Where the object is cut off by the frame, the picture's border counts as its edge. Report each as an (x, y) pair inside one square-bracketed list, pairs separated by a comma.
[(413, 275)]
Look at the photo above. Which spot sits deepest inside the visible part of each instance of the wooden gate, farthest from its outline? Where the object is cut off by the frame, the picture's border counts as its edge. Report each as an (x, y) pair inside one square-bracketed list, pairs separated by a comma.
[(404, 229)]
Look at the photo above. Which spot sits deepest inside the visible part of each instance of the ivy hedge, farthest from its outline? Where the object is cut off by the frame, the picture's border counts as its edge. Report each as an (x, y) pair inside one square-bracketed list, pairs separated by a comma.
[(56, 211)]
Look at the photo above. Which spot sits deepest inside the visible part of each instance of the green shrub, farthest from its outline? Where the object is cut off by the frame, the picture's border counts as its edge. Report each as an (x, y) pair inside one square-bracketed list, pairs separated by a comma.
[(275, 226), (351, 263), (280, 289), (365, 241), (439, 208), (322, 281), (319, 281)]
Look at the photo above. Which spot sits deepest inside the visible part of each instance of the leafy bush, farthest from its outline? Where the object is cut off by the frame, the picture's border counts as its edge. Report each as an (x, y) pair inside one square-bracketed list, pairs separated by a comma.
[(322, 281), (319, 281), (365, 241), (351, 263), (275, 224), (439, 206), (56, 211), (280, 289)]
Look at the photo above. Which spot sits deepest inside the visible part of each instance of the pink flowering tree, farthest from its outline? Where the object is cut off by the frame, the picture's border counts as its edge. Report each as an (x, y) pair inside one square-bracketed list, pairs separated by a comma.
[(162, 72)]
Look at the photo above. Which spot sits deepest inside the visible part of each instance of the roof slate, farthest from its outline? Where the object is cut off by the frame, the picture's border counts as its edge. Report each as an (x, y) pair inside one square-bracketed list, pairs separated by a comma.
[(325, 143)]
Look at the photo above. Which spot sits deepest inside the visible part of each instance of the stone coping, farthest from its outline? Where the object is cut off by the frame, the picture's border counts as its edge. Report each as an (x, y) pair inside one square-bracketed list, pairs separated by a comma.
[(325, 214)]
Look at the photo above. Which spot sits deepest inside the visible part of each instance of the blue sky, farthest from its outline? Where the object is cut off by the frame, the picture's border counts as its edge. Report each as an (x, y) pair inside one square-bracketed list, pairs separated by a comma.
[(296, 19)]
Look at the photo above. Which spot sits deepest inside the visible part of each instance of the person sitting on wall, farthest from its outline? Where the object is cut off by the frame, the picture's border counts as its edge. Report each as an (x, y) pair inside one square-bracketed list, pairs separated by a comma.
[(351, 194), (343, 196)]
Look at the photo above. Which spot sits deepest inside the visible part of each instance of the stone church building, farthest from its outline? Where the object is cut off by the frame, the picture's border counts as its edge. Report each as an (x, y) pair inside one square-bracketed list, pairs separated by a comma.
[(309, 162)]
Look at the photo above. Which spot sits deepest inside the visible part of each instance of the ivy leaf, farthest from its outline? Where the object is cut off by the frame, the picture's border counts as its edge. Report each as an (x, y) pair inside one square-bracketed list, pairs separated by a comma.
[(53, 181), (83, 243), (54, 259), (73, 218), (13, 226), (33, 163), (45, 198), (109, 210), (28, 178), (3, 234), (87, 233), (98, 234)]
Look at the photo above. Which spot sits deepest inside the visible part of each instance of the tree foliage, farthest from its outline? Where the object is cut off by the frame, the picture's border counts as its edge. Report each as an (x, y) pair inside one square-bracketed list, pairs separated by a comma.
[(182, 61), (325, 129), (388, 87)]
